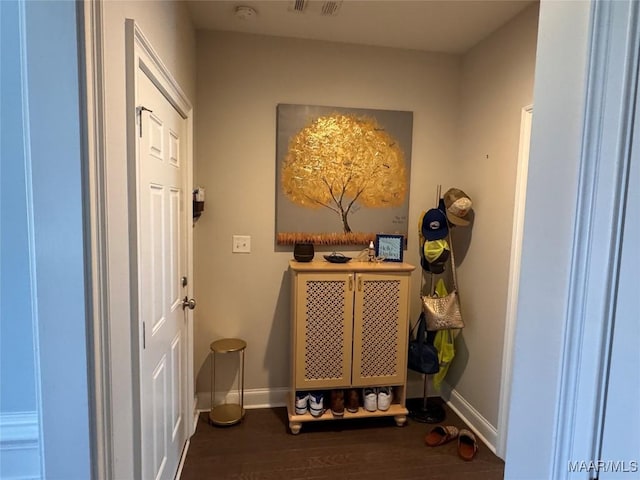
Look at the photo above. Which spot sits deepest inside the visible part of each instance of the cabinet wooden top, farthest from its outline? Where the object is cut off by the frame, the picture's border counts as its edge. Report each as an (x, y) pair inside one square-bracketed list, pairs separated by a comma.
[(352, 266)]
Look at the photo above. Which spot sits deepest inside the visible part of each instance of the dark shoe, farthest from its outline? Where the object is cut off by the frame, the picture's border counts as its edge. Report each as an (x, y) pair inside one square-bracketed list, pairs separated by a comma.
[(337, 403), (353, 400)]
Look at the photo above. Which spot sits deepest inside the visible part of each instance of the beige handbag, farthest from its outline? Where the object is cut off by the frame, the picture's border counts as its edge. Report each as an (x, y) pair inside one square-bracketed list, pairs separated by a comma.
[(443, 312)]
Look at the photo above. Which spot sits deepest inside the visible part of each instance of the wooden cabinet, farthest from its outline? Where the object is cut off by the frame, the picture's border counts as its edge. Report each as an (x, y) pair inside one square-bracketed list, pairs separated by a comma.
[(350, 327)]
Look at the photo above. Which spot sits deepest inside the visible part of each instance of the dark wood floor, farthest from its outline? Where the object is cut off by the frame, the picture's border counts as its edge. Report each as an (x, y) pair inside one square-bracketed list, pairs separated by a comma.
[(261, 447)]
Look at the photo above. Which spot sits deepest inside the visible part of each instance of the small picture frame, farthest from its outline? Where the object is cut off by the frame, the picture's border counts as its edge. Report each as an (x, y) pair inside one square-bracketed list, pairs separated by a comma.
[(391, 247)]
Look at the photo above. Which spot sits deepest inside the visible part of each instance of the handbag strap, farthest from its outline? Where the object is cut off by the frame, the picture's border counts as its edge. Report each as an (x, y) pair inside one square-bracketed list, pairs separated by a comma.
[(422, 329), (421, 321)]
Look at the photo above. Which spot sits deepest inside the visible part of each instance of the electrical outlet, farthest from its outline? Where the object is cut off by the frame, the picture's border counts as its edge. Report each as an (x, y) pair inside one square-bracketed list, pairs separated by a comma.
[(241, 244)]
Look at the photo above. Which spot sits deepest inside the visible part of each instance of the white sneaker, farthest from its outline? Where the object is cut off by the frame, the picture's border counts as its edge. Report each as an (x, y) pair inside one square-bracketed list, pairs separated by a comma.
[(370, 397), (302, 400), (316, 403), (385, 395)]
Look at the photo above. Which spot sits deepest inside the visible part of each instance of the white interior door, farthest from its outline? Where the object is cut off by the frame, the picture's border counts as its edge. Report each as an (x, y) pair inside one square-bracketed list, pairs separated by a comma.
[(162, 263)]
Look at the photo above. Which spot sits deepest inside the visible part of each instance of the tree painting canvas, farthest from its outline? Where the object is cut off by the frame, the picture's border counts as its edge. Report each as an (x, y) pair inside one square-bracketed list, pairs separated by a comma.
[(342, 174)]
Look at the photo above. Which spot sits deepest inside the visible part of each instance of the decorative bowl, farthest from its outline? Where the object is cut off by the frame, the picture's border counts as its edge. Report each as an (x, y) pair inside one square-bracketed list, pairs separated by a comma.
[(337, 258)]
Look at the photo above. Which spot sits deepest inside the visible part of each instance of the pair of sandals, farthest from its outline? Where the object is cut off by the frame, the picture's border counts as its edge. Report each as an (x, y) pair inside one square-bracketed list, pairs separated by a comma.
[(441, 434)]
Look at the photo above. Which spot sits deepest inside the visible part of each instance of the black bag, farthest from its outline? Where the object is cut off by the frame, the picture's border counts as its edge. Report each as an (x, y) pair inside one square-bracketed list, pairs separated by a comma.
[(423, 356)]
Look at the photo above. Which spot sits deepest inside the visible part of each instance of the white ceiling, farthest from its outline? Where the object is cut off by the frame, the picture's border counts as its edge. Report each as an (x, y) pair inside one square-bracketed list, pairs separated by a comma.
[(451, 26)]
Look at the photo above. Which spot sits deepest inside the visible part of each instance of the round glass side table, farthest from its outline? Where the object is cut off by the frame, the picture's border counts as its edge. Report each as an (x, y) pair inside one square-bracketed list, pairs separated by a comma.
[(228, 413)]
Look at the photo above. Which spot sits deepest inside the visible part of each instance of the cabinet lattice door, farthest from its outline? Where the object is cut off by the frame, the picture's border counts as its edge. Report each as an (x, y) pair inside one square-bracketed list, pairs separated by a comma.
[(324, 329), (380, 329)]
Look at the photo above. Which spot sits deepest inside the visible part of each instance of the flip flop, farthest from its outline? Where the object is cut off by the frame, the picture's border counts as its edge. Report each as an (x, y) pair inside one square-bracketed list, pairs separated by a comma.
[(440, 435), (467, 445)]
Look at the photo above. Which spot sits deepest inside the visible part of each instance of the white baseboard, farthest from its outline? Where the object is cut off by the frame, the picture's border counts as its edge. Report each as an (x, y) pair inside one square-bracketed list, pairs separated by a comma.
[(480, 425), (196, 414), (19, 446), (254, 398), (476, 422), (277, 397)]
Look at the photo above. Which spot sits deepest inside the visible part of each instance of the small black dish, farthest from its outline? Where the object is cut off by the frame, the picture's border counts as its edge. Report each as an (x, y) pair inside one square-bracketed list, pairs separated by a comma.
[(337, 258)]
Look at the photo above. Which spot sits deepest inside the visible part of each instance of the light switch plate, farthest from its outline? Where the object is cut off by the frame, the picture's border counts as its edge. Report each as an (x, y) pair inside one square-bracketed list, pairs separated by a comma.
[(241, 244)]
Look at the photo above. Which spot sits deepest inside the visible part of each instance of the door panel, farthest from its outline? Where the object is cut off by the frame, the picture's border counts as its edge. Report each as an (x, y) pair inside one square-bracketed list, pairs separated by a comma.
[(175, 234), (380, 329), (159, 403), (323, 330), (155, 266), (176, 377)]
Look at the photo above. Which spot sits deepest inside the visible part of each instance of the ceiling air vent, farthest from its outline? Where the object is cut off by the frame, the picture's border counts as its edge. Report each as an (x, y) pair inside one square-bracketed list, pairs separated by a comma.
[(331, 7), (298, 6), (327, 8)]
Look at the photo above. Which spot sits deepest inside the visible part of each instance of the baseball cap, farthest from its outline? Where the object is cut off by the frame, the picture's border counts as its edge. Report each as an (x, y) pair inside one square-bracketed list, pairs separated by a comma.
[(434, 225), (458, 205), (436, 253), (433, 249)]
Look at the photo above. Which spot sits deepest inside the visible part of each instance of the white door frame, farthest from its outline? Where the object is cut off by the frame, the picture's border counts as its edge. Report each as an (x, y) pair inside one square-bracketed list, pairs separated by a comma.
[(141, 55), (95, 135), (104, 462), (514, 278)]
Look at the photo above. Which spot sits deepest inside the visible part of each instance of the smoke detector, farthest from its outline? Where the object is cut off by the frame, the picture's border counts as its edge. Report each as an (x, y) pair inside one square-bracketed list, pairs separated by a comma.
[(328, 8), (245, 13)]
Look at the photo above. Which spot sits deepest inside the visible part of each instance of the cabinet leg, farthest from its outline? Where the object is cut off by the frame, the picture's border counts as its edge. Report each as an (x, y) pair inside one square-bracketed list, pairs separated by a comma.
[(400, 420), (295, 427)]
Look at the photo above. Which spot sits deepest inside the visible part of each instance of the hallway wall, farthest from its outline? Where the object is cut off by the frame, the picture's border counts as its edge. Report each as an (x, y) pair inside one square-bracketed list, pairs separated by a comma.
[(496, 83), (466, 132), (240, 80)]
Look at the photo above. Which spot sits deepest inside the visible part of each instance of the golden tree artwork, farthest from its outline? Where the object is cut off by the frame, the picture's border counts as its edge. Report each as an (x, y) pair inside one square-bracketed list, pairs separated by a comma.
[(340, 160)]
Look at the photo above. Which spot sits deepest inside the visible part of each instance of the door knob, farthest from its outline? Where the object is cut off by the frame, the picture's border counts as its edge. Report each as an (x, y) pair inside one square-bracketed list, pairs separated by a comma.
[(188, 303)]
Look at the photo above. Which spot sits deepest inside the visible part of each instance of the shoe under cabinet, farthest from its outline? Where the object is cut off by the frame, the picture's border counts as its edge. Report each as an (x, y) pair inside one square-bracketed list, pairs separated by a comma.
[(350, 325)]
